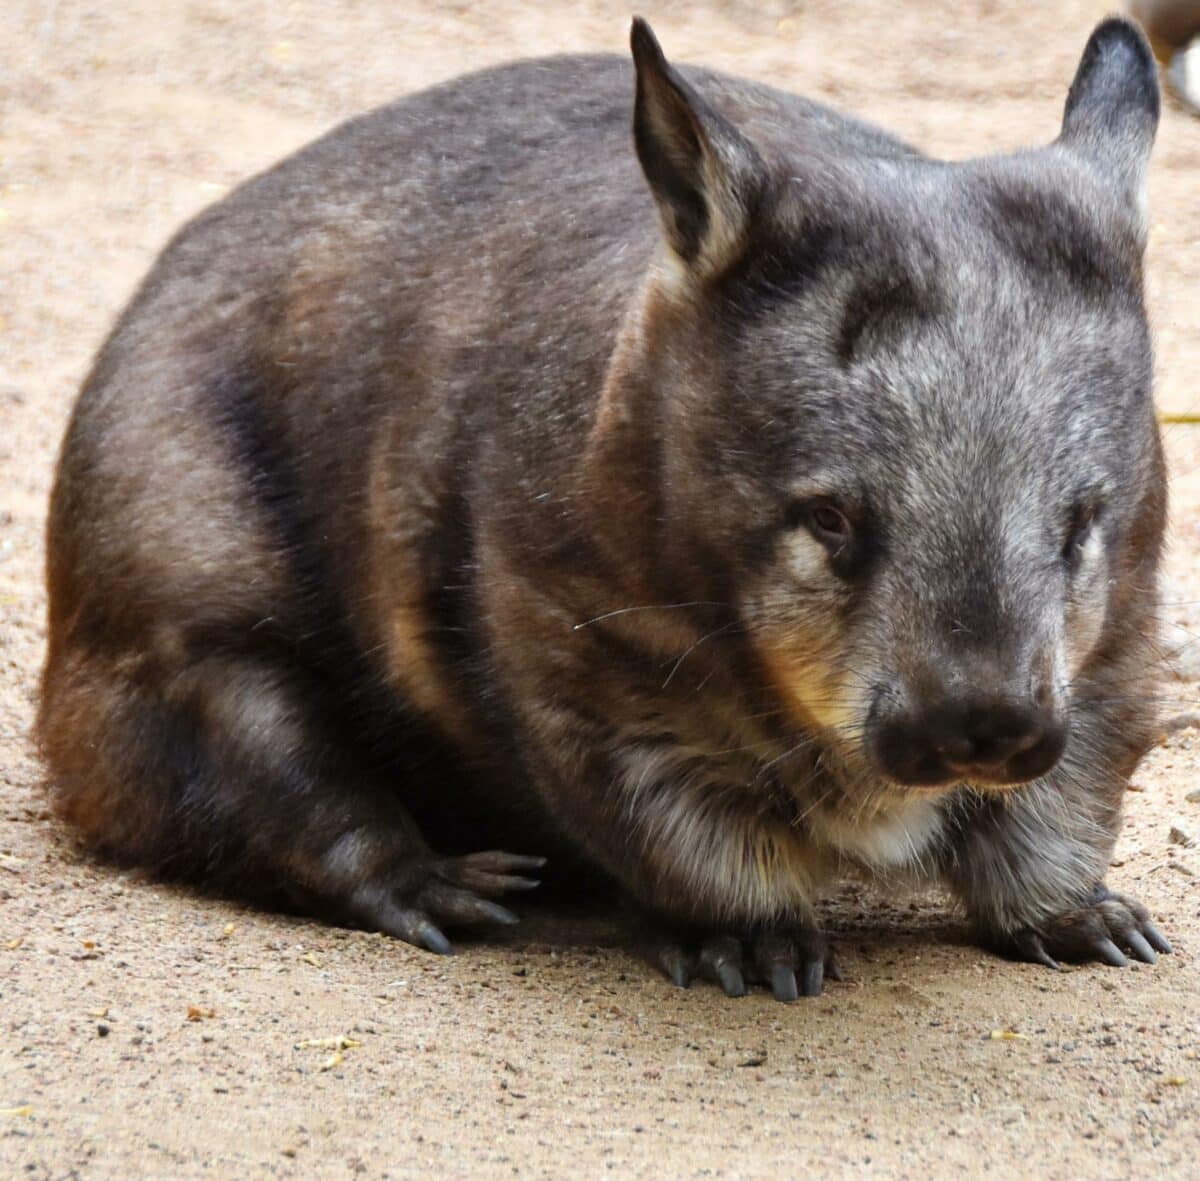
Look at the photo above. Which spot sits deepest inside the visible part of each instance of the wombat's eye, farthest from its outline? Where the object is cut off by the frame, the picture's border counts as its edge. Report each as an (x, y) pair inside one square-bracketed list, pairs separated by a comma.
[(824, 520), (1079, 527)]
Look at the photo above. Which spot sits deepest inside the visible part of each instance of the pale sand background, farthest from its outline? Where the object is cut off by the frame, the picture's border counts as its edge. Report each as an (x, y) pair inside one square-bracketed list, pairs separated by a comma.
[(556, 1054)]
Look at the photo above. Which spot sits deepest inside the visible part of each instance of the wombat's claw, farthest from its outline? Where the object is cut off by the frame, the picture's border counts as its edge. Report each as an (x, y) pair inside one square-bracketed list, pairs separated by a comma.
[(448, 892), (721, 961), (1027, 945), (490, 873), (673, 961), (778, 957), (1156, 938), (1109, 928), (773, 958)]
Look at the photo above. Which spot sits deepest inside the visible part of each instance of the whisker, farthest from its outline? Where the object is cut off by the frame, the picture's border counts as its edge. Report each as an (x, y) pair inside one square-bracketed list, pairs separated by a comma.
[(649, 607), (688, 651)]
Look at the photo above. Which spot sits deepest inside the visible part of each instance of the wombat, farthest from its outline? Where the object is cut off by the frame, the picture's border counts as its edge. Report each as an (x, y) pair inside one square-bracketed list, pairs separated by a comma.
[(789, 506)]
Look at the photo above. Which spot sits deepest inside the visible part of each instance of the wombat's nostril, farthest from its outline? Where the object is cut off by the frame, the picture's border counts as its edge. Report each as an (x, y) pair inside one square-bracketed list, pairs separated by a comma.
[(993, 740), (995, 732), (955, 748)]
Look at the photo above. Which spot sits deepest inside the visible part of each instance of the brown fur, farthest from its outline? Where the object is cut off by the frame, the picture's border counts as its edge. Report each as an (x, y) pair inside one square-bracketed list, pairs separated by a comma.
[(447, 488)]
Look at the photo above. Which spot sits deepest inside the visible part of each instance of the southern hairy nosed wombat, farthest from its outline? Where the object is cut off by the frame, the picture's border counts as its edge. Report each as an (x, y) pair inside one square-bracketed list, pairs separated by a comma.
[(436, 495)]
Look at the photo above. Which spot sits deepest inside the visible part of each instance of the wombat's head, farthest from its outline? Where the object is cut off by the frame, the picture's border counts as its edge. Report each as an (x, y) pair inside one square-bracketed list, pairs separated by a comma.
[(907, 417)]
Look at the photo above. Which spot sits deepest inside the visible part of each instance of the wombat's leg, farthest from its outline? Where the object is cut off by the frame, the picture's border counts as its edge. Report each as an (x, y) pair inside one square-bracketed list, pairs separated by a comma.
[(775, 957), (688, 842), (226, 770), (1029, 868)]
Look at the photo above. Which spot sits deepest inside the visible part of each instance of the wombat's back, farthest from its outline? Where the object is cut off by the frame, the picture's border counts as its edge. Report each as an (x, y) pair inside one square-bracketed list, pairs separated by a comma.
[(462, 253), (332, 344)]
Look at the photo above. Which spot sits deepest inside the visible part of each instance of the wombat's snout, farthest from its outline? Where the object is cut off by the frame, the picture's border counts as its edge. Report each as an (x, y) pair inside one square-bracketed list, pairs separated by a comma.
[(974, 736)]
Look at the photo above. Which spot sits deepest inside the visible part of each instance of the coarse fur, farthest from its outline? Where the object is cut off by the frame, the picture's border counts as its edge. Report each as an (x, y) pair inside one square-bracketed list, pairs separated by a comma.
[(790, 503)]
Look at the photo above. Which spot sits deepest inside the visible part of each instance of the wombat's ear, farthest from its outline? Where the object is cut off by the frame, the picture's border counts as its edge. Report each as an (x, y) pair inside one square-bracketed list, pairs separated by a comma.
[(1112, 106), (704, 174)]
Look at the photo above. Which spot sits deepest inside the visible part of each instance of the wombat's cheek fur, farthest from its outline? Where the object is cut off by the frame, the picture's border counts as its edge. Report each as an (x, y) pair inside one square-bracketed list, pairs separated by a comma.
[(711, 514)]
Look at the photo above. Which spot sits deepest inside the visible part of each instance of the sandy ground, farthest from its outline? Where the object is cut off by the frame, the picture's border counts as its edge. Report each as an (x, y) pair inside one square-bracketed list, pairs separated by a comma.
[(555, 1053)]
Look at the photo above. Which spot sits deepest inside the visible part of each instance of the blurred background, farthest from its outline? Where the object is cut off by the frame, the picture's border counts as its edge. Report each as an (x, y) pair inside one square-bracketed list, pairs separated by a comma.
[(119, 120)]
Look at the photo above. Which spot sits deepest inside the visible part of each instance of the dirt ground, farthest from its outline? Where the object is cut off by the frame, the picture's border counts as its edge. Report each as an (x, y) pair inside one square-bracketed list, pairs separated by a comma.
[(148, 1032)]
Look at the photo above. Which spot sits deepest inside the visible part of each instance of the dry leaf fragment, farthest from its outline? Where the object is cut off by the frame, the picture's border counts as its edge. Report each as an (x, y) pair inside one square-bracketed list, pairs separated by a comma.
[(1175, 1080), (89, 944), (309, 958), (13, 944), (17, 1112), (334, 1059), (230, 929), (98, 1014), (197, 1013), (1007, 1035), (341, 1042)]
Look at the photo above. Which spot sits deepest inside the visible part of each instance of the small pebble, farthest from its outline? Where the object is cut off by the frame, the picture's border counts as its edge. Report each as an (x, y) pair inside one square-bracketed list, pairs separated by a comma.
[(1182, 834)]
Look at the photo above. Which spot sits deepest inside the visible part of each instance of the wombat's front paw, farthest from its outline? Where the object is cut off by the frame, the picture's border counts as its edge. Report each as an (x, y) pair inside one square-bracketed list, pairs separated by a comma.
[(453, 891), (1107, 927), (773, 958)]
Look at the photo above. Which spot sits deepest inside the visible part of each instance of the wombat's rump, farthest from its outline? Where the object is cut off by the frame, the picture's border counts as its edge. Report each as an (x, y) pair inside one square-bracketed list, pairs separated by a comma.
[(437, 494)]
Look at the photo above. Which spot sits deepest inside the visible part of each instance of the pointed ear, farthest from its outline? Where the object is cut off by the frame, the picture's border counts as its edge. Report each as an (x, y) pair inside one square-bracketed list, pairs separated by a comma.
[(1112, 107), (704, 174)]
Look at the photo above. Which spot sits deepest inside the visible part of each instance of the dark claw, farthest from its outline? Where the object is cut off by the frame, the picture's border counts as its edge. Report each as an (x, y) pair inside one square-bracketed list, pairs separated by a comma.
[(1110, 953), (1140, 948), (510, 862), (491, 873), (783, 983), (428, 936), (814, 977), (495, 861), (1156, 938), (763, 958), (674, 963), (1032, 948), (721, 957), (493, 912), (448, 904), (730, 976), (833, 970)]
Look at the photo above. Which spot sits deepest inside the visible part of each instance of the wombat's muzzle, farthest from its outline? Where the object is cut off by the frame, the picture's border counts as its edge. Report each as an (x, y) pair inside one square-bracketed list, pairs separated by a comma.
[(975, 737)]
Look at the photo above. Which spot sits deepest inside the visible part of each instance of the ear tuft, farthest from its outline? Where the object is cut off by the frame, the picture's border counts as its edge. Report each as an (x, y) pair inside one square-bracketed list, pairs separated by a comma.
[(704, 174), (1112, 107), (645, 46)]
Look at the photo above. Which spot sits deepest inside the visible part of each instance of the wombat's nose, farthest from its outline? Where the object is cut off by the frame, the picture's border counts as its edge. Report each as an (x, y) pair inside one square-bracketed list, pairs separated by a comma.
[(996, 740)]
